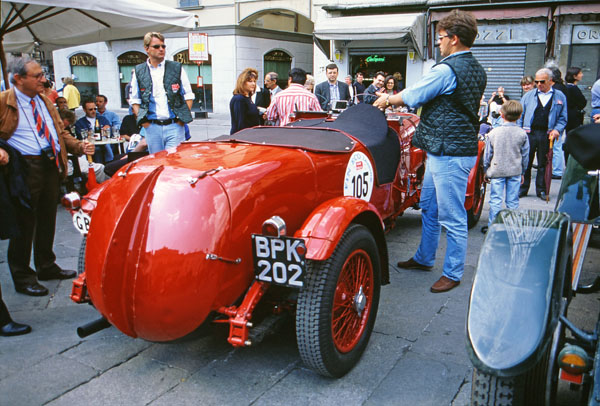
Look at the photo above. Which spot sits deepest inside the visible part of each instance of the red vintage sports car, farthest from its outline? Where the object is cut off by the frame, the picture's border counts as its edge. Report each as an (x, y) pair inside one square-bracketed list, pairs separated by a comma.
[(247, 228)]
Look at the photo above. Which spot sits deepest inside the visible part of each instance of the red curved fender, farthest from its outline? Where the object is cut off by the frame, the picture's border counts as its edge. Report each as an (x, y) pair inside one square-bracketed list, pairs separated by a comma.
[(471, 183), (325, 225)]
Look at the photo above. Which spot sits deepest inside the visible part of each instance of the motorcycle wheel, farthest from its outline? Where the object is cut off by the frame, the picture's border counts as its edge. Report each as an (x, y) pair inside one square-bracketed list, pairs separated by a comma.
[(474, 213), (337, 308), (523, 390), (81, 259)]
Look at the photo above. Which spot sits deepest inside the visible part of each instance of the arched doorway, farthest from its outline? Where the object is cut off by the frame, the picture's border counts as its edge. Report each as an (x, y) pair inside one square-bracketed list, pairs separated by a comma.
[(280, 62), (200, 78), (84, 69), (127, 62)]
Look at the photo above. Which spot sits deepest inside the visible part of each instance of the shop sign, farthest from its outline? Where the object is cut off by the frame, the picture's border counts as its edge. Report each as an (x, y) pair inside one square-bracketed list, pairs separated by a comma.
[(82, 60), (375, 58), (183, 58), (511, 33), (278, 56), (132, 58), (586, 34)]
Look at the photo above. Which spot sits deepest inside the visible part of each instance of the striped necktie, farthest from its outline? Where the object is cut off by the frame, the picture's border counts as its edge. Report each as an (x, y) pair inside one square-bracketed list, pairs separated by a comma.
[(42, 130)]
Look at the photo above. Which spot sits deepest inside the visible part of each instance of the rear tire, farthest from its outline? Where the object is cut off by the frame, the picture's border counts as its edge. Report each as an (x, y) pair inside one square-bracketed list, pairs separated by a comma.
[(337, 308)]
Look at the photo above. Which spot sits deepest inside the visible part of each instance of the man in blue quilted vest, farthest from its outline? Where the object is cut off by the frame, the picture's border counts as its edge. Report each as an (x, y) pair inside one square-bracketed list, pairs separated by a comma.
[(161, 96), (450, 95)]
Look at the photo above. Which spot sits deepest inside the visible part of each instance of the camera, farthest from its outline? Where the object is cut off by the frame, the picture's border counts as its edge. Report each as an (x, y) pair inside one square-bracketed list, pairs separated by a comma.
[(48, 153), (495, 114)]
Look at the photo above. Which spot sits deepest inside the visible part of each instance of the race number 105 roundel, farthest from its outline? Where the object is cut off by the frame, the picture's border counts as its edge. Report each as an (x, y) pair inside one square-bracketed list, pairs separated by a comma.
[(359, 179)]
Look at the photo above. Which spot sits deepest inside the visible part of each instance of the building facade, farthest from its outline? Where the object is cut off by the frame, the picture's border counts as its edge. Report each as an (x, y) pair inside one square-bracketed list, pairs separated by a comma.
[(515, 39)]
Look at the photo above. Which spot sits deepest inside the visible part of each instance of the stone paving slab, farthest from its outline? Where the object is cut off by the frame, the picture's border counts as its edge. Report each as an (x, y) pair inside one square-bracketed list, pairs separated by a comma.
[(424, 382)]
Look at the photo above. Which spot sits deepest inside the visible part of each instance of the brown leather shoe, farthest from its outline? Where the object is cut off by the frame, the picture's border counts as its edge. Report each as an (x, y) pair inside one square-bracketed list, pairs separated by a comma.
[(412, 264), (443, 285)]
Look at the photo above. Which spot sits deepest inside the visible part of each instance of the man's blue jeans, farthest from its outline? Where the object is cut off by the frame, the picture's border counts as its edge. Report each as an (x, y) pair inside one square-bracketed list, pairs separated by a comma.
[(159, 137), (497, 188), (442, 205)]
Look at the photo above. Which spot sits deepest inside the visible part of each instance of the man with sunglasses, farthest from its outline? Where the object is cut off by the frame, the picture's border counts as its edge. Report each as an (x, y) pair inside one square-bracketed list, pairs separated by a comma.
[(450, 94), (93, 121), (161, 96), (30, 124), (544, 117)]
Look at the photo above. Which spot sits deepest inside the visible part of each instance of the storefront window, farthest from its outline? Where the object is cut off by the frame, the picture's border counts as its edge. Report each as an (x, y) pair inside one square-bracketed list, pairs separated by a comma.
[(85, 73), (280, 62), (586, 57), (127, 63), (200, 78), (372, 62)]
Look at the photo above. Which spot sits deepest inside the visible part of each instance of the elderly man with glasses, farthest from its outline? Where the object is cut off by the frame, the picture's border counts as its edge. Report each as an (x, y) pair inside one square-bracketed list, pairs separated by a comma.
[(544, 117), (161, 96), (33, 130)]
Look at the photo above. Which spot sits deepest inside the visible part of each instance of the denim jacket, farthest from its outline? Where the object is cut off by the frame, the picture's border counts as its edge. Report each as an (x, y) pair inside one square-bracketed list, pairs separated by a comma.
[(557, 119)]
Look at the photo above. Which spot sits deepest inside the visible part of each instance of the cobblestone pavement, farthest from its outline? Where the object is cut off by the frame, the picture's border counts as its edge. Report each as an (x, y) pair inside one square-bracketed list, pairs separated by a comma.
[(416, 355)]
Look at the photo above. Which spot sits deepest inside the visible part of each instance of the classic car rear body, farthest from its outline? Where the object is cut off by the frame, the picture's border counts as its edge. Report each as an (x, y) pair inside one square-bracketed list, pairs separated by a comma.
[(170, 237)]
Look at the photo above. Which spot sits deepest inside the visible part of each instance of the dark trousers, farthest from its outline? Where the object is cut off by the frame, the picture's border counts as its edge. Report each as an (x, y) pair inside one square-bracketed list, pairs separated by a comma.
[(37, 226), (538, 143), (4, 315)]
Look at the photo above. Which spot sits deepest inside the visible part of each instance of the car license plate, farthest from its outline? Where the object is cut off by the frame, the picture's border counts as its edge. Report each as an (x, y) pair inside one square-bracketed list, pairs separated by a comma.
[(81, 221), (279, 260)]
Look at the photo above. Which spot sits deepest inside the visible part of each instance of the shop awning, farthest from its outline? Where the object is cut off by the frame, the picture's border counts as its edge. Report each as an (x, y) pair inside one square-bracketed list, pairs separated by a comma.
[(407, 27)]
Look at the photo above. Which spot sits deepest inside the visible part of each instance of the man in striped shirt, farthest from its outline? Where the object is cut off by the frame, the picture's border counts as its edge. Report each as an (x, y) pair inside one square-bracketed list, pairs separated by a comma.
[(294, 98)]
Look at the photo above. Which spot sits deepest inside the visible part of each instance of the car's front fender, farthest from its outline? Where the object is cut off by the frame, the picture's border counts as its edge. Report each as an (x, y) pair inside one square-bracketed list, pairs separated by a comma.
[(516, 293), (326, 224)]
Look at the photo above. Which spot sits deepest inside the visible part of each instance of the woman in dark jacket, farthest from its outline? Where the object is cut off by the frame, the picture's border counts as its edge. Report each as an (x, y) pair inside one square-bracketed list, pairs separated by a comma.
[(576, 101), (244, 113)]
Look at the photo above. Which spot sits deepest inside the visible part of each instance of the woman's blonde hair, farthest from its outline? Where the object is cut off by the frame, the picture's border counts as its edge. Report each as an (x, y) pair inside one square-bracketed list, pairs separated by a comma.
[(246, 75)]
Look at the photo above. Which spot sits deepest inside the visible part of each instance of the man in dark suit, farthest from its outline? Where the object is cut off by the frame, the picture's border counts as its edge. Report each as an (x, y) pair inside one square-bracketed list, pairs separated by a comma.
[(332, 90)]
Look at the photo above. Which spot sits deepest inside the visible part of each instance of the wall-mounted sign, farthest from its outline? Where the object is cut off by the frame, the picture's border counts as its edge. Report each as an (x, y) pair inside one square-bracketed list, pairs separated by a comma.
[(511, 33), (132, 58), (375, 58), (83, 60), (586, 34), (198, 46)]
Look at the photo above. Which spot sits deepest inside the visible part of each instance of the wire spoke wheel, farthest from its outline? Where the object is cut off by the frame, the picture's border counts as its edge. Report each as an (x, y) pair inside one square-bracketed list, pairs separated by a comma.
[(352, 301), (337, 308)]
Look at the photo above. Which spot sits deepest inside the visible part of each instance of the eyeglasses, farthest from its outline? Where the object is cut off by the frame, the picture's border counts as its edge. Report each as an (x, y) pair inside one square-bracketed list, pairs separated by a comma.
[(92, 109), (38, 76), (163, 46), (540, 81), (441, 37)]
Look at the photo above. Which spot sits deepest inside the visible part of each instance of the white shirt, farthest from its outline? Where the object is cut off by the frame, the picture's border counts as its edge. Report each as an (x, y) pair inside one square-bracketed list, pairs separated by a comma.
[(545, 97), (25, 138), (159, 93)]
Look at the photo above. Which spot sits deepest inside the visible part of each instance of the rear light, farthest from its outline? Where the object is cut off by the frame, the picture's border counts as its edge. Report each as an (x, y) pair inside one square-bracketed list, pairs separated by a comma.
[(71, 201), (574, 360), (274, 227)]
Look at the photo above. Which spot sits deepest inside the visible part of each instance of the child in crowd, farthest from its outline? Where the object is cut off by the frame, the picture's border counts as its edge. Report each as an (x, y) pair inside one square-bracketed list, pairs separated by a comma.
[(505, 160)]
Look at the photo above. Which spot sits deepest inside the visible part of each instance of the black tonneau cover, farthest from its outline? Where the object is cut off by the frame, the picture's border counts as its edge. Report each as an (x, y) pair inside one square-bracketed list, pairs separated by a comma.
[(369, 125)]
